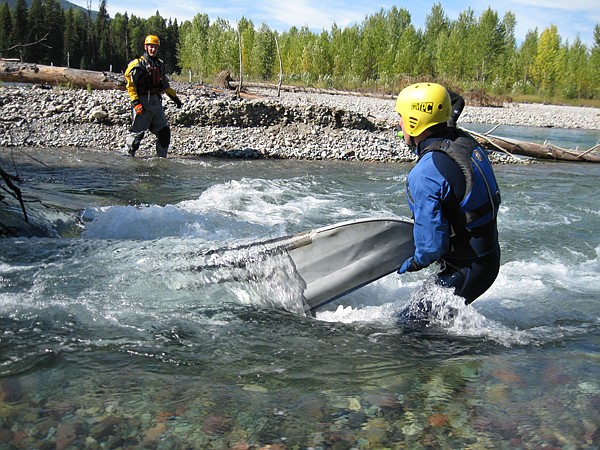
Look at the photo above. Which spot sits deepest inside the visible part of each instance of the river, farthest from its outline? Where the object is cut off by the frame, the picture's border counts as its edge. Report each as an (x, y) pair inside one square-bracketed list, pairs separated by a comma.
[(144, 318)]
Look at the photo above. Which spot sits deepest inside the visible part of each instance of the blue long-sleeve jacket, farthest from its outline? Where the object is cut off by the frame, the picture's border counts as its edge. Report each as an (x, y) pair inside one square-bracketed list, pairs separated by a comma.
[(429, 188), (440, 196)]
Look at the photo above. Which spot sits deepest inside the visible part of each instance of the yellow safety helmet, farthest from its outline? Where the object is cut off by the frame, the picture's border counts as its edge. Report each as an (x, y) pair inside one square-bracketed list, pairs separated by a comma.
[(423, 105), (151, 39)]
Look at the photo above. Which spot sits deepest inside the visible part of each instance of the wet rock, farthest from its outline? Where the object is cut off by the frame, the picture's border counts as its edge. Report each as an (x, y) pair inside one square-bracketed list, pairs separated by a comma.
[(384, 401), (44, 428), (68, 433), (105, 428), (10, 390), (507, 376), (438, 420), (6, 436), (216, 425), (375, 431), (153, 434)]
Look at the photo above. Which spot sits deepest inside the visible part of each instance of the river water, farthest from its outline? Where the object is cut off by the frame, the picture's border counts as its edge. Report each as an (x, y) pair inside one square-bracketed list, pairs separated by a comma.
[(152, 320)]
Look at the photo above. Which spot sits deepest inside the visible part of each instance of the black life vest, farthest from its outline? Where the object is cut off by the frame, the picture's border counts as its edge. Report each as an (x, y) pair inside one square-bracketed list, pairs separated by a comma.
[(151, 80), (481, 200)]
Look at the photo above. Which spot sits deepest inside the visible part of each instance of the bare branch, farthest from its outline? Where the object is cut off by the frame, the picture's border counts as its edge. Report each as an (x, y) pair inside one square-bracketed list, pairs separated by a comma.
[(21, 46)]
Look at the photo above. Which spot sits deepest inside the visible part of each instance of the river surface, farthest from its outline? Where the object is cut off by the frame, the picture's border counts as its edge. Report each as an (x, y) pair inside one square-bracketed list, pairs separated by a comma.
[(144, 318)]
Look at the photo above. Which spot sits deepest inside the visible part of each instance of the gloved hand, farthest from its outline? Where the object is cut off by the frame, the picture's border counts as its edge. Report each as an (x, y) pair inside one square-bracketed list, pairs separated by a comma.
[(138, 107), (178, 102), (409, 266)]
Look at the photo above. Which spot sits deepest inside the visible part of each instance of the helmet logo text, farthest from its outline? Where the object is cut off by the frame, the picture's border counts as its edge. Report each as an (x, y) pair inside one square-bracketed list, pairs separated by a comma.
[(426, 107)]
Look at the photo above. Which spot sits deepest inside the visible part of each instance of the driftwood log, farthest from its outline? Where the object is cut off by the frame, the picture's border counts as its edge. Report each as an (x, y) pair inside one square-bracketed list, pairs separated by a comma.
[(12, 71), (534, 150)]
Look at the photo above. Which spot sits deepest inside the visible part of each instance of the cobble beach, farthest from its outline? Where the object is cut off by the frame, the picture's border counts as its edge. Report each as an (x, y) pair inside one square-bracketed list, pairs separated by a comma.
[(294, 125)]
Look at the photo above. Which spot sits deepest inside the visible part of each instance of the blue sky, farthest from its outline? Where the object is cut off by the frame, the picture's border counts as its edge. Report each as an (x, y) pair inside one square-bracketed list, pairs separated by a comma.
[(574, 17)]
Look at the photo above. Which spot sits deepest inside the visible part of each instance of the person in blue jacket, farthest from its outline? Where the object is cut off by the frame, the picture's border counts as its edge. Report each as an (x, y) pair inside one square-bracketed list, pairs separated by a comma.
[(453, 194)]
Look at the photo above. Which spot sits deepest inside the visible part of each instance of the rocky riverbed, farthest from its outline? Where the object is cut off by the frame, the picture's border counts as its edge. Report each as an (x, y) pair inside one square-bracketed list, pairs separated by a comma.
[(296, 125)]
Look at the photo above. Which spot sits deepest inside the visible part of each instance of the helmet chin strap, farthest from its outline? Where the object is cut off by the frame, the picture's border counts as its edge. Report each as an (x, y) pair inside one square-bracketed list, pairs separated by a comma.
[(412, 144)]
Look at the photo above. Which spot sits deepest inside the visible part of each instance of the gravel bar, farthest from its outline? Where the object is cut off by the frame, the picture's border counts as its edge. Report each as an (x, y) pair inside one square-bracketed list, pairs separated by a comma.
[(295, 125)]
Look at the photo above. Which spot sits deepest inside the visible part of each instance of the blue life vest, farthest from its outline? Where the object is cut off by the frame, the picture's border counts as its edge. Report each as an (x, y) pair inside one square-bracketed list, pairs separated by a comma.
[(481, 200)]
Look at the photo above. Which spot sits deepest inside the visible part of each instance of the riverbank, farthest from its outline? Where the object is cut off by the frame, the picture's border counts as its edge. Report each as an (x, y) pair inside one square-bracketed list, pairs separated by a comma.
[(295, 125)]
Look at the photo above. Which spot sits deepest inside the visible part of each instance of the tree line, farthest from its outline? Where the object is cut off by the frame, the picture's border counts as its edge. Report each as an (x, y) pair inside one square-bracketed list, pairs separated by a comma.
[(382, 53), (44, 33)]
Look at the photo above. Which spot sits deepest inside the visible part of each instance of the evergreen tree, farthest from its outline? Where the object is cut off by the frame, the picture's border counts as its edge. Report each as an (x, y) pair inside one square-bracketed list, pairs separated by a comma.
[(72, 40), (54, 22), (157, 25), (90, 47), (82, 27), (119, 45), (37, 30), (103, 59), (20, 29), (6, 30), (169, 53), (137, 33)]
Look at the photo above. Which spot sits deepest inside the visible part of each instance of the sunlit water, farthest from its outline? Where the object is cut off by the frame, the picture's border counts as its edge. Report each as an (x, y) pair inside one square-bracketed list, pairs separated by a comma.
[(154, 319)]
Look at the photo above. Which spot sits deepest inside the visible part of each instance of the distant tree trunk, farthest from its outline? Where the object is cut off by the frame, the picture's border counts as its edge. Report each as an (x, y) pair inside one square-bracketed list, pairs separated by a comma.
[(239, 88), (59, 76), (280, 68)]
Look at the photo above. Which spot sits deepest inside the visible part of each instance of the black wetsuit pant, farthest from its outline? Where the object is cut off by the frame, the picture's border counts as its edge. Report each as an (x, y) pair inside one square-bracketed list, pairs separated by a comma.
[(471, 277)]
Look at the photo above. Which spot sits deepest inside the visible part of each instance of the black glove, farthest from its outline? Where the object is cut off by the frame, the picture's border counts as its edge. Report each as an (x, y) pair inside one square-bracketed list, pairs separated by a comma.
[(409, 266), (178, 102)]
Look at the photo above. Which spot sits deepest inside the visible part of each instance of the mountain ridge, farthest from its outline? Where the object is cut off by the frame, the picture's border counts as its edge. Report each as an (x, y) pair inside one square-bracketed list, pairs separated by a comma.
[(64, 4)]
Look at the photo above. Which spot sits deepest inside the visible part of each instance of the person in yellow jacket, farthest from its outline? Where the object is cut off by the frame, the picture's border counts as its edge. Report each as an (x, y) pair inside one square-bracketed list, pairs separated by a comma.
[(146, 82)]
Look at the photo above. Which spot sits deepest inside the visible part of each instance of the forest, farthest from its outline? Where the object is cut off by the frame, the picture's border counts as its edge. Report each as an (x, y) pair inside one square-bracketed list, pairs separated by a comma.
[(381, 54)]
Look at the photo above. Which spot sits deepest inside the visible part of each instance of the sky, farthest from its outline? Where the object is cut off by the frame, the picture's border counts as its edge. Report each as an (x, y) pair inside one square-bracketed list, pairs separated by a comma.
[(572, 17)]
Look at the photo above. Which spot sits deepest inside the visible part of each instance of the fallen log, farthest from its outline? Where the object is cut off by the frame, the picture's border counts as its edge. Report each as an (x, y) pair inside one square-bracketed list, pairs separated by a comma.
[(534, 150), (11, 71)]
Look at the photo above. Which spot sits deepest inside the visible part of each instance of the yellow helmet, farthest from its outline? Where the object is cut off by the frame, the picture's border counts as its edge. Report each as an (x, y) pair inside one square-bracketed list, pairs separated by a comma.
[(423, 105), (151, 39)]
